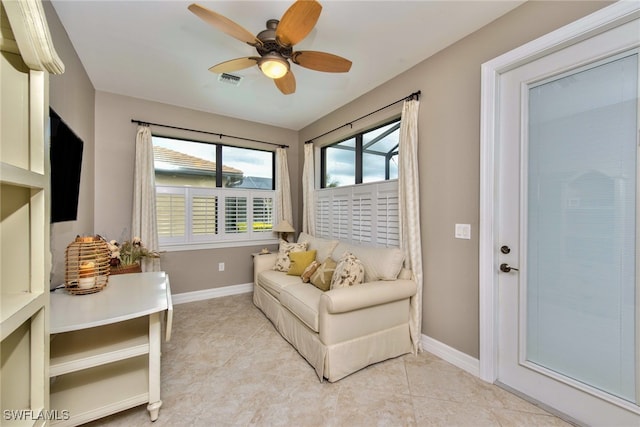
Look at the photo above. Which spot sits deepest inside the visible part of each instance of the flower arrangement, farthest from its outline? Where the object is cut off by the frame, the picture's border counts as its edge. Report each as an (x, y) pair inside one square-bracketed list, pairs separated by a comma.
[(129, 252)]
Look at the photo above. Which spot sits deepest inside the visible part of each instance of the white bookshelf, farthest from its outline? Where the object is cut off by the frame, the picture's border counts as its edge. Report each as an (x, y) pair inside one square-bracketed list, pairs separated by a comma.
[(26, 61), (106, 389), (97, 346)]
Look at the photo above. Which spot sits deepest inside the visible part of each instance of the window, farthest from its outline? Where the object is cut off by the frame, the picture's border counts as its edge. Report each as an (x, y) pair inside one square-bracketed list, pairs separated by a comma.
[(370, 156), (358, 201), (201, 203)]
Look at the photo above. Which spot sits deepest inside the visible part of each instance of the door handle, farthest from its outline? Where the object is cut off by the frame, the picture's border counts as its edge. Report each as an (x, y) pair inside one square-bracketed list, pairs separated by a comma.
[(506, 268)]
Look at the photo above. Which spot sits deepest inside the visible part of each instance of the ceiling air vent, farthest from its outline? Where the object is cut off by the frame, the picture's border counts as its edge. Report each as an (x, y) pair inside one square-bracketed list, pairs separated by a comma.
[(229, 79)]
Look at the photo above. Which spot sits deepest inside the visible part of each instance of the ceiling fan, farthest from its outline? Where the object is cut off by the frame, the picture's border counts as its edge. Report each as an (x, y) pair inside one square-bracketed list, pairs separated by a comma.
[(275, 44)]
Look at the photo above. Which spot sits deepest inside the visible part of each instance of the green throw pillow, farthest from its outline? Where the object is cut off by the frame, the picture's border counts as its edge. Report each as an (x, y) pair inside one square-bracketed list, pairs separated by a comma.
[(300, 261), (321, 278)]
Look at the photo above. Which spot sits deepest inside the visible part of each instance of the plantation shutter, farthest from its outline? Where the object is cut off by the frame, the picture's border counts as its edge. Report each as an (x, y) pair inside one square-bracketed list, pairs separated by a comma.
[(170, 214), (364, 214), (387, 215), (212, 215), (204, 215), (323, 214), (340, 212), (262, 214), (235, 214)]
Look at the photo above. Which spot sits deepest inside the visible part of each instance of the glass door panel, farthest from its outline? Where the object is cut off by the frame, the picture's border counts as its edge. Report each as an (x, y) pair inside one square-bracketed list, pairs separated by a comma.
[(580, 256)]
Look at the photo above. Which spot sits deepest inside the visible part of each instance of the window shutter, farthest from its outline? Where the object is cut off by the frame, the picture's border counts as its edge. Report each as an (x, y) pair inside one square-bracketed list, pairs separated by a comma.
[(262, 214), (204, 215), (340, 220), (212, 215), (323, 213), (361, 226), (362, 214), (235, 214), (387, 215), (170, 212)]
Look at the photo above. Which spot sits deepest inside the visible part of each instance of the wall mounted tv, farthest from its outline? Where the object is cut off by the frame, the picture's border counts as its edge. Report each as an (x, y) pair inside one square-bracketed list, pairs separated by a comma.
[(66, 164)]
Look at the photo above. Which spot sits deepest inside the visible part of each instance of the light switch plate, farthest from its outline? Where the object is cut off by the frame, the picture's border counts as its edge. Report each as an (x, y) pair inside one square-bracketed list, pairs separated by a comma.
[(463, 231)]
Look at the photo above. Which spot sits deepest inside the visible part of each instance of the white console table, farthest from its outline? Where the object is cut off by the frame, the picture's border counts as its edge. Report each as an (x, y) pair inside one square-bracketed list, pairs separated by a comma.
[(105, 347)]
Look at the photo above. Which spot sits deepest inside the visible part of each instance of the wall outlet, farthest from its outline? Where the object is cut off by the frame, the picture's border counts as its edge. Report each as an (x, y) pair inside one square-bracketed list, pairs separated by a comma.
[(221, 266), (463, 231)]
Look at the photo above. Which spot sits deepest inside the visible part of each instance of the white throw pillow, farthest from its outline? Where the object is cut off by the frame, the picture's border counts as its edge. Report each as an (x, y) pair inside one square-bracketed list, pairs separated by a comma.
[(283, 263)]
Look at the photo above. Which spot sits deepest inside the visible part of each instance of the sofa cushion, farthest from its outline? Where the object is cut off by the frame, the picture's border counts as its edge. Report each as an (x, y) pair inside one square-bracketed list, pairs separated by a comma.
[(324, 247), (349, 272), (379, 263), (311, 268), (283, 262), (275, 281), (300, 261), (303, 301), (321, 278)]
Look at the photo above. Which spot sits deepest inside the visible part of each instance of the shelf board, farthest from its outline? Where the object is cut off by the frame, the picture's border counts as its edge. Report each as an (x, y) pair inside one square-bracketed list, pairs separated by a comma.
[(17, 308), (10, 174), (97, 392), (87, 348)]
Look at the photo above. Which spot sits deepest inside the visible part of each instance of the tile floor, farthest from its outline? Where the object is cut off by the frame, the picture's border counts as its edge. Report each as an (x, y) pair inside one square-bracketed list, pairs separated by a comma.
[(227, 366)]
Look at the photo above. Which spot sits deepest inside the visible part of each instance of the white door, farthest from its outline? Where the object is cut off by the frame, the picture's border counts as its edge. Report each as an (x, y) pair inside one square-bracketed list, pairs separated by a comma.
[(568, 231)]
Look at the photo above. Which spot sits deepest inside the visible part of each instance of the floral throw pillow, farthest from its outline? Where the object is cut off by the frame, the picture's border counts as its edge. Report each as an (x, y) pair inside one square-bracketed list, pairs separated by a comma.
[(283, 263), (349, 272)]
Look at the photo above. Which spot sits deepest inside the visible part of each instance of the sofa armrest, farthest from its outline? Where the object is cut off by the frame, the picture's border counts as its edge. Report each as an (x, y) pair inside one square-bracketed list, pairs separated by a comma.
[(365, 295), (262, 263)]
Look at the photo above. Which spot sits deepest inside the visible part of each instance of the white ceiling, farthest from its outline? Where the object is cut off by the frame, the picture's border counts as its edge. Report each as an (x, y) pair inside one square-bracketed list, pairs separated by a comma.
[(157, 50)]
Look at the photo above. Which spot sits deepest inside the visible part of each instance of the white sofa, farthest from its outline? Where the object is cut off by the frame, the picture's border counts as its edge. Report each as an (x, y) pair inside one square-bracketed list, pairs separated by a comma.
[(346, 329)]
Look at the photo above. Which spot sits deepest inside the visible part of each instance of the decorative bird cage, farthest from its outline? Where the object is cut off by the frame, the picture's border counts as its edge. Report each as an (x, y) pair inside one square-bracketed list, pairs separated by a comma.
[(87, 265)]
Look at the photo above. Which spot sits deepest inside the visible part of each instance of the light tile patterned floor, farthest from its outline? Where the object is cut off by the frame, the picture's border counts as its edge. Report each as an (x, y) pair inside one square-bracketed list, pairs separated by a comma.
[(227, 366)]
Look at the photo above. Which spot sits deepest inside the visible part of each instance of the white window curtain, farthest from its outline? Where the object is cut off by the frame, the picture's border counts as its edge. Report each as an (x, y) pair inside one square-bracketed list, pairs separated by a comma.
[(308, 188), (283, 187), (143, 223), (409, 207)]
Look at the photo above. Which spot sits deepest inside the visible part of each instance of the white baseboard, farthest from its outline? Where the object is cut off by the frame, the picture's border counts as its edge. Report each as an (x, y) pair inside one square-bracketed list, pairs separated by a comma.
[(212, 293), (451, 355)]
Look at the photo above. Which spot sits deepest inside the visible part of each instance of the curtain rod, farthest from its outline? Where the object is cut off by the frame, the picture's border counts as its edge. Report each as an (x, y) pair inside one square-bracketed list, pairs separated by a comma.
[(140, 122), (414, 95)]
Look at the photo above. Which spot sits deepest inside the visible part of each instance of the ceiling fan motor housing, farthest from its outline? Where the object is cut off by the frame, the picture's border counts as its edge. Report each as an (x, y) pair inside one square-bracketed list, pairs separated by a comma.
[(269, 42)]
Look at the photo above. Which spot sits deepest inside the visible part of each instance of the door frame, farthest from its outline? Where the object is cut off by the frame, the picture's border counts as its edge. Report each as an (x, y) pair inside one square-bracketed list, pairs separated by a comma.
[(596, 23)]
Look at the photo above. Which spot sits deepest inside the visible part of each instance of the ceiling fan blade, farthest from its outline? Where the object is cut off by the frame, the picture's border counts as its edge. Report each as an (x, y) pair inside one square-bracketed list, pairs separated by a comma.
[(321, 61), (224, 24), (297, 22), (234, 65), (286, 84)]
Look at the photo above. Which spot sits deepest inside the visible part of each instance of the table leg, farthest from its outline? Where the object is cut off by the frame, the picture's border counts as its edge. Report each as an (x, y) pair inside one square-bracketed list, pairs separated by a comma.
[(155, 334)]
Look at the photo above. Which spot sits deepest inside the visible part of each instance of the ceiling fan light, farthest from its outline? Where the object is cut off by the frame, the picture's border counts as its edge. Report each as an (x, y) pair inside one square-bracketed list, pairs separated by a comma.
[(274, 67)]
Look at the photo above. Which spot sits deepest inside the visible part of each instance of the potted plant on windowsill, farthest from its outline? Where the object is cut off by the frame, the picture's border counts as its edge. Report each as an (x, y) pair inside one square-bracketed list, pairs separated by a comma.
[(126, 257)]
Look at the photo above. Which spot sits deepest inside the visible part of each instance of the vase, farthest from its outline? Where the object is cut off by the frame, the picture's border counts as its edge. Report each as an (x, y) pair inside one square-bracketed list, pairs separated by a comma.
[(125, 269)]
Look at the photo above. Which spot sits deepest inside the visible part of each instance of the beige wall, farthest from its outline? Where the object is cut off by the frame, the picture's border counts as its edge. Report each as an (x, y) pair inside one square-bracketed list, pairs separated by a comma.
[(72, 97), (115, 151), (449, 158)]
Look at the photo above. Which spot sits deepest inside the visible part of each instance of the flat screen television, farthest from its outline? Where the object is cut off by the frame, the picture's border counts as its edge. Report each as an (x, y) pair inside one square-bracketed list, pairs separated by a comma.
[(66, 164)]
